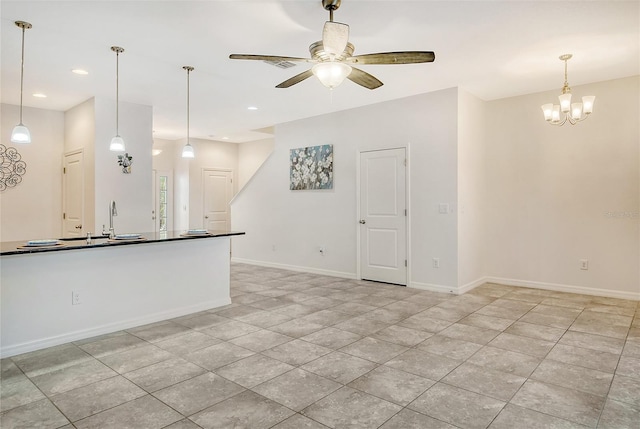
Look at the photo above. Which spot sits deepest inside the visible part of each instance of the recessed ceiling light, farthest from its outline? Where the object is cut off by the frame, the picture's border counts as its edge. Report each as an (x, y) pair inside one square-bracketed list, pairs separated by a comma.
[(39, 95), (80, 71), (155, 152), (225, 138), (252, 108)]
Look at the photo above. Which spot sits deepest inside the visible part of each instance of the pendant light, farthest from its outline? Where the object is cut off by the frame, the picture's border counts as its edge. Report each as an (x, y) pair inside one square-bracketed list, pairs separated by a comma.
[(20, 133), (187, 150), (117, 144)]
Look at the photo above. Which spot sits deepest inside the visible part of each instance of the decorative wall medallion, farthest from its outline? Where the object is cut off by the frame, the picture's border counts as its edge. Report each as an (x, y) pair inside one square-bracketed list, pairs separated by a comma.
[(311, 167), (13, 168), (125, 162)]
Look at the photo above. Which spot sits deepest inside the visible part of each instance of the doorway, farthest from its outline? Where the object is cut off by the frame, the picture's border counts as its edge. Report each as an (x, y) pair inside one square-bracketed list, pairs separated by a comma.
[(73, 194), (217, 191), (382, 207)]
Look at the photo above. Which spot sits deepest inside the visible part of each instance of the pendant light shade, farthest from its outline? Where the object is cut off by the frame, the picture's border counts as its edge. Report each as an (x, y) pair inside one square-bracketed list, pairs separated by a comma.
[(187, 150), (117, 143), (20, 133)]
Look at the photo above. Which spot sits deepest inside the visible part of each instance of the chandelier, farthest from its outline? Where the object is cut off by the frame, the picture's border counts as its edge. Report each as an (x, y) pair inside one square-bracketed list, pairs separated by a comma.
[(573, 112)]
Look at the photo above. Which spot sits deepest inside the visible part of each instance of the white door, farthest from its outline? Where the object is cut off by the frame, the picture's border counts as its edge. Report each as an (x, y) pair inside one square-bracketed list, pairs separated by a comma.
[(217, 188), (162, 214), (383, 231), (73, 195)]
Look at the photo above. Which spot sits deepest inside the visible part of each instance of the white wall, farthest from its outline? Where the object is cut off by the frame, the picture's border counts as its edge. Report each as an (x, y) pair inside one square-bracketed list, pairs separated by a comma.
[(472, 191), (133, 192), (181, 185), (550, 189), (296, 223), (251, 155), (33, 209), (165, 160)]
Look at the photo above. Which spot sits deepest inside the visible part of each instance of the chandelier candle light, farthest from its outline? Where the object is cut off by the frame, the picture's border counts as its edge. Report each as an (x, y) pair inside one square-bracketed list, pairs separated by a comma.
[(20, 133), (573, 112), (117, 143), (187, 150)]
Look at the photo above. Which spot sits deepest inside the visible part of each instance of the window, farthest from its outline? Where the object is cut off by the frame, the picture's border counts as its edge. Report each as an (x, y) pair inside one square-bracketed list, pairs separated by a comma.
[(162, 206)]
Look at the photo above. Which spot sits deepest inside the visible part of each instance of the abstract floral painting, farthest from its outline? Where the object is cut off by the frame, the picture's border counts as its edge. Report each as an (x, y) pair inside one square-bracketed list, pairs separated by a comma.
[(311, 167)]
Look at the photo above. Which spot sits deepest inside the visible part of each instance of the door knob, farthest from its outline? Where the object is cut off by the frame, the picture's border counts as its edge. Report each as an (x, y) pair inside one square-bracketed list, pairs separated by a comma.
[(362, 221), (206, 217), (78, 226)]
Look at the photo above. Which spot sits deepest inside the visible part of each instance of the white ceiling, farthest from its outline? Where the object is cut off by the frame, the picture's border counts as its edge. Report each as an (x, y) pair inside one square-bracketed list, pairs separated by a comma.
[(493, 49)]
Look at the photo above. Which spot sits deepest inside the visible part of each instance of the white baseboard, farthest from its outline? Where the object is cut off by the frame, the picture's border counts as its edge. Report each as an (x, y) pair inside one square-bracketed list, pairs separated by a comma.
[(456, 290), (565, 288), (297, 268), (433, 287), (16, 349), (472, 285)]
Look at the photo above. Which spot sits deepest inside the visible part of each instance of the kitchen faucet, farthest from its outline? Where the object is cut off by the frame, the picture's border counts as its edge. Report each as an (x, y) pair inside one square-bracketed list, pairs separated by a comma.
[(112, 212)]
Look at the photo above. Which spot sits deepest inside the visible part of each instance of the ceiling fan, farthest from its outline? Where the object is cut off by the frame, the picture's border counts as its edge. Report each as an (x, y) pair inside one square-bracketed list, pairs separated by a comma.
[(334, 60)]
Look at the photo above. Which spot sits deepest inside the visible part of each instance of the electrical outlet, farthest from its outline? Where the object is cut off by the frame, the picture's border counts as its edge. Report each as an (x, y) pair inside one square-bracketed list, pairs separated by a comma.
[(75, 298), (436, 262), (584, 264), (443, 208)]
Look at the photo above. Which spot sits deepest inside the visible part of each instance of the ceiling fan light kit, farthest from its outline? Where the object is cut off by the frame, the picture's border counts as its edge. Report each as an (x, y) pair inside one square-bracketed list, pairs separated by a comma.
[(573, 112), (331, 73), (20, 133), (334, 60)]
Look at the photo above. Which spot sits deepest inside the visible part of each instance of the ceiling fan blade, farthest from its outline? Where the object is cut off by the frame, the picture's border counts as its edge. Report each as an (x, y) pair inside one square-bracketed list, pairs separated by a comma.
[(408, 57), (267, 58), (363, 78), (335, 36), (296, 79)]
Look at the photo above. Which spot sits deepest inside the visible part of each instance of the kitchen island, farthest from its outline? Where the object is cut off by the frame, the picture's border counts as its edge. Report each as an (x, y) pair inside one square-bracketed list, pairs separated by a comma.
[(72, 290)]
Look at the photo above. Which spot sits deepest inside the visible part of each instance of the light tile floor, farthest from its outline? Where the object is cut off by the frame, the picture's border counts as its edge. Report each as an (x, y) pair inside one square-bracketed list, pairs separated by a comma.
[(306, 351)]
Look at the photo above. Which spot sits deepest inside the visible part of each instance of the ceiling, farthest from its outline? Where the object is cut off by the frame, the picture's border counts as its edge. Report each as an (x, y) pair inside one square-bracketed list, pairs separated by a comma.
[(493, 49)]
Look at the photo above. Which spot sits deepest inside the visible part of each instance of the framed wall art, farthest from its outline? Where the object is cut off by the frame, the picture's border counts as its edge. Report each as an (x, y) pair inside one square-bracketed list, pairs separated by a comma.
[(311, 168)]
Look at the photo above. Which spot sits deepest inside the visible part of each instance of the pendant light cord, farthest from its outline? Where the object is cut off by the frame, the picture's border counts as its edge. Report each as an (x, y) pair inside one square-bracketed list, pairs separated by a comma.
[(188, 91), (189, 69), (117, 91), (118, 50), (22, 73)]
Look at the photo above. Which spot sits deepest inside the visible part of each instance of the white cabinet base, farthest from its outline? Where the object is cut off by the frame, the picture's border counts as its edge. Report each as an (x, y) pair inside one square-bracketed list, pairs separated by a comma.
[(52, 298)]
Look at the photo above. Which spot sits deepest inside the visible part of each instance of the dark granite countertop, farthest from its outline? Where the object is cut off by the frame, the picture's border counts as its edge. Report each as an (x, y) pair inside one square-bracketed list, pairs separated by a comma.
[(18, 247)]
